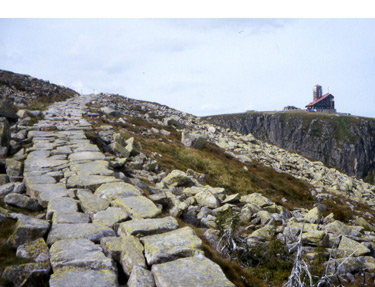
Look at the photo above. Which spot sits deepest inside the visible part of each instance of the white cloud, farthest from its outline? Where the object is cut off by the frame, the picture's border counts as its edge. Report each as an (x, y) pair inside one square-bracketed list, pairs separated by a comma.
[(201, 66)]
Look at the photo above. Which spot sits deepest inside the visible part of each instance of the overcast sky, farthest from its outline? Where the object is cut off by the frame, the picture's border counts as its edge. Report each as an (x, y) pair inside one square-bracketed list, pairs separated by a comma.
[(201, 66)]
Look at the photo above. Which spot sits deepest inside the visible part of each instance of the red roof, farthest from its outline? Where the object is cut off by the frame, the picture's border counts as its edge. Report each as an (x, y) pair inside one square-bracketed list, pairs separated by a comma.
[(317, 86), (318, 100)]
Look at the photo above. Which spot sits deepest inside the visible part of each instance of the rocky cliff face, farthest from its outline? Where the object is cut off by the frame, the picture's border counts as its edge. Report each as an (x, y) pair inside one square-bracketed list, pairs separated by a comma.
[(344, 142)]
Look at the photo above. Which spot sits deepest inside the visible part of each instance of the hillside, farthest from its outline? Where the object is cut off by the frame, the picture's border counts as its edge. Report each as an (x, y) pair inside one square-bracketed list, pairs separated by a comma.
[(344, 142), (123, 192)]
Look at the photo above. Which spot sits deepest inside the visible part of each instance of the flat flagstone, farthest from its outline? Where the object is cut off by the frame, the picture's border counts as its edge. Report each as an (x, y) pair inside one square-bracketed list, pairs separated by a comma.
[(92, 181), (141, 277), (98, 167), (81, 253), (28, 229), (110, 216), (115, 190), (86, 155), (90, 231), (70, 217), (143, 227), (78, 277), (43, 163), (46, 192), (112, 247), (61, 204), (171, 245), (197, 271), (132, 254), (137, 206), (90, 203)]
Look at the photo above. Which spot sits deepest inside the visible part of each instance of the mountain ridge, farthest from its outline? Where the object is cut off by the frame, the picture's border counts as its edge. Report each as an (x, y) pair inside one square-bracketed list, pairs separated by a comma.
[(341, 141)]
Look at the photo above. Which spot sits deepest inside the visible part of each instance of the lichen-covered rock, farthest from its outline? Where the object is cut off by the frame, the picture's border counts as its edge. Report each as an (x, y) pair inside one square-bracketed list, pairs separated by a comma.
[(194, 190), (90, 231), (352, 265), (174, 244), (28, 229), (256, 199), (314, 215), (112, 247), (110, 216), (119, 150), (91, 203), (92, 182), (263, 234), (137, 206), (141, 277), (316, 238), (30, 274), (97, 167), (86, 155), (348, 246), (22, 201), (197, 271), (143, 227), (77, 277), (339, 228), (14, 167), (37, 250), (116, 190), (4, 133), (206, 198), (132, 254), (46, 192), (80, 253), (176, 178), (70, 217), (6, 188), (61, 204)]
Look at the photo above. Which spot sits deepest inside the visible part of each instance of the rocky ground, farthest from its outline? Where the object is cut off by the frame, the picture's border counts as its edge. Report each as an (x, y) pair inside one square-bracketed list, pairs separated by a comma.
[(101, 211)]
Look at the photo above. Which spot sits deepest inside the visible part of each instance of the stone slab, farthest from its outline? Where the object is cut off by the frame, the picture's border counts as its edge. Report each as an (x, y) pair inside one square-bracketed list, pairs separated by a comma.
[(195, 271), (137, 206), (171, 245), (81, 253), (115, 190), (90, 231), (61, 204), (111, 216), (77, 277), (144, 227), (91, 182)]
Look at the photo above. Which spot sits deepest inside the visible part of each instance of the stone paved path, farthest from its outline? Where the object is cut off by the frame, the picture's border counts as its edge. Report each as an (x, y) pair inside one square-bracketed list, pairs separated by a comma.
[(99, 223)]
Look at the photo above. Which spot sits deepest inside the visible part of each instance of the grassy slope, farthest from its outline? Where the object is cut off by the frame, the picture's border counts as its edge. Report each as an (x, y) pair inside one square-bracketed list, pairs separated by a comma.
[(226, 172)]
